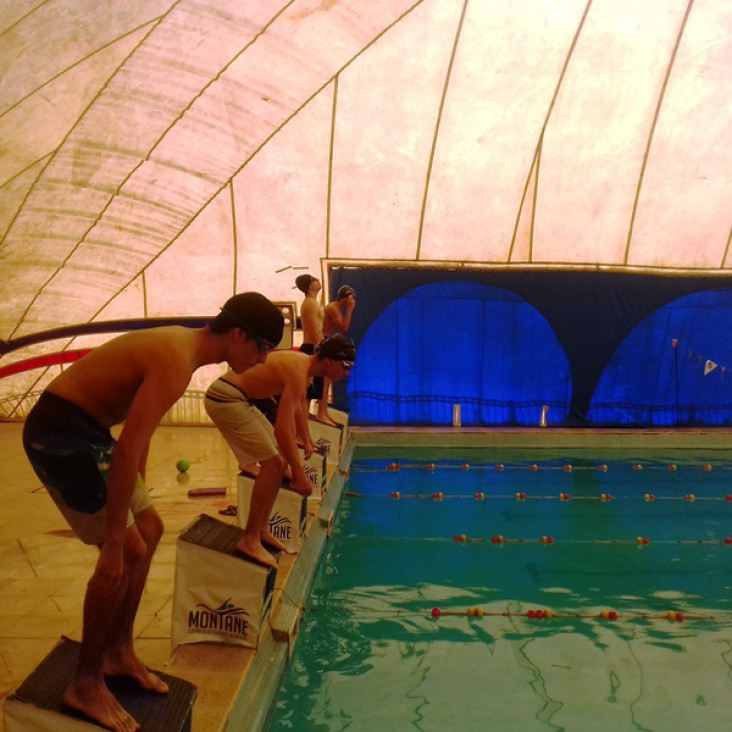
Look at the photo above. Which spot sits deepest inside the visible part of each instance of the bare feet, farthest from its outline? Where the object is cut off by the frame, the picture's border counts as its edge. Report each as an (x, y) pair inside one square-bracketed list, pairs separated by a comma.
[(253, 549), (325, 418), (97, 702), (128, 664), (269, 540)]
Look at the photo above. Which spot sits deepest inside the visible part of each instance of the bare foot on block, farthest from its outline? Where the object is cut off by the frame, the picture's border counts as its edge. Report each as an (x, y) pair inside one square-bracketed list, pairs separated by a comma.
[(269, 540), (325, 418), (97, 702), (126, 663), (256, 552)]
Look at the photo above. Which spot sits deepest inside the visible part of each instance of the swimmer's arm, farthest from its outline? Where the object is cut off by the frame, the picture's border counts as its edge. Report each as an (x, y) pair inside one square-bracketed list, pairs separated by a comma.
[(158, 391), (286, 425), (303, 427), (346, 319), (339, 321), (142, 469)]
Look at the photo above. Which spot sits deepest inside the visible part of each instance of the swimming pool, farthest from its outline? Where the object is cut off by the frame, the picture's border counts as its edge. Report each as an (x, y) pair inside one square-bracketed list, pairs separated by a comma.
[(520, 590)]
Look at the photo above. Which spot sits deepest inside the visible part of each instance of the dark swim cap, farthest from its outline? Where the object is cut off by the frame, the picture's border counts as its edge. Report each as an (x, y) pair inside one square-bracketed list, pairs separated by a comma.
[(345, 291), (255, 314), (338, 348), (303, 282)]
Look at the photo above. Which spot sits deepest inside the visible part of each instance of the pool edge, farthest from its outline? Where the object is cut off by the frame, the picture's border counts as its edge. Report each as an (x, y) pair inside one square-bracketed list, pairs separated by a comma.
[(251, 708), (547, 437)]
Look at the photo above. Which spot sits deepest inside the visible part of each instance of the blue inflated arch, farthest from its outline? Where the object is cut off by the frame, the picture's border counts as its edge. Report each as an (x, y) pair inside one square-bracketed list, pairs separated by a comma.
[(459, 342), (651, 381)]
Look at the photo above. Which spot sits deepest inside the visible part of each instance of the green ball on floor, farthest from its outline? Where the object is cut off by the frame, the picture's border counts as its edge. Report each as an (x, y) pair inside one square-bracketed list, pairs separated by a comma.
[(182, 466)]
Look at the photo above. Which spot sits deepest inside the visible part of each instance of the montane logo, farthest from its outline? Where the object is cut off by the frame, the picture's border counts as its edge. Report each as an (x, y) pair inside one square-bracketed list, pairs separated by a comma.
[(226, 621), (313, 475), (281, 527)]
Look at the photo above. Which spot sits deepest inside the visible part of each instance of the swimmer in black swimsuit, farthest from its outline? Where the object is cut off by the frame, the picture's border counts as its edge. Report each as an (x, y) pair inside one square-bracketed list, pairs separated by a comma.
[(97, 483)]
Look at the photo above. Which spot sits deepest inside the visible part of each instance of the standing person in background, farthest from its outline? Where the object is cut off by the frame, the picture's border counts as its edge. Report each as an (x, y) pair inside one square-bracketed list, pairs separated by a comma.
[(336, 319), (311, 318), (97, 481), (337, 315), (311, 312)]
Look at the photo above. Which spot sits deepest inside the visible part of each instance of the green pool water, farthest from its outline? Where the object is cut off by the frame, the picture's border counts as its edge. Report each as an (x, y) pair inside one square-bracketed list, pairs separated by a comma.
[(639, 536)]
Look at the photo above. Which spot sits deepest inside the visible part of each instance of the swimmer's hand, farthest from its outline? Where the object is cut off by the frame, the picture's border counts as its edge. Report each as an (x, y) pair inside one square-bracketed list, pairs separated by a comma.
[(109, 569), (310, 449), (302, 486)]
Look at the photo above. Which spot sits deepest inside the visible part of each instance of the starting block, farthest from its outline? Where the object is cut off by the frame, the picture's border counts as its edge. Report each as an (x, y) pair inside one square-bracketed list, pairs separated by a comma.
[(316, 470), (289, 513), (219, 595), (38, 703), (339, 416), (328, 438)]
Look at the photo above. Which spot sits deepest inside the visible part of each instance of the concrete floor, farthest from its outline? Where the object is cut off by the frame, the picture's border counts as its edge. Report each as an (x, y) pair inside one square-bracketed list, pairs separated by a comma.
[(44, 569)]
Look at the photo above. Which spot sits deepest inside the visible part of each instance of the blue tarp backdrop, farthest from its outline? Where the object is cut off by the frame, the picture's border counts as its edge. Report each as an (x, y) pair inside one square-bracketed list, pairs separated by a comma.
[(463, 343), (596, 348), (674, 368)]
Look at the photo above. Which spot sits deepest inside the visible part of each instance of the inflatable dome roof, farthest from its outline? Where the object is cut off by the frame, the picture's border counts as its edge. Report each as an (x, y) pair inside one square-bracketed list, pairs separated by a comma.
[(159, 155)]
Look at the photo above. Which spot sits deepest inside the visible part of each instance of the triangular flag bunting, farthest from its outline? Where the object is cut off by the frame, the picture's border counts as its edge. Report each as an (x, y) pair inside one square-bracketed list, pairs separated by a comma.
[(709, 366)]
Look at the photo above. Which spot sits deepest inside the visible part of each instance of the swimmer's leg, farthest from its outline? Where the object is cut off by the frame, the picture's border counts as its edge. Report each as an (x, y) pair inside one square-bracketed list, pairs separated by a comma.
[(264, 493), (120, 658)]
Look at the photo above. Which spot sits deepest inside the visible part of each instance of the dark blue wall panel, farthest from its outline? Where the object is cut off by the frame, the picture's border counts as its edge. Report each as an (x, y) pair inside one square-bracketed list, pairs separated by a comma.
[(594, 345)]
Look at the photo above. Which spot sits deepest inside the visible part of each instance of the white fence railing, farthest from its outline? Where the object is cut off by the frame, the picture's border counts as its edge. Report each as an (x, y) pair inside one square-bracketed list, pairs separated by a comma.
[(188, 410)]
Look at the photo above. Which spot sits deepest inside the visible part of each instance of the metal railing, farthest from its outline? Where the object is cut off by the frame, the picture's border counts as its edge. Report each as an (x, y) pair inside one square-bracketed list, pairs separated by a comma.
[(188, 410)]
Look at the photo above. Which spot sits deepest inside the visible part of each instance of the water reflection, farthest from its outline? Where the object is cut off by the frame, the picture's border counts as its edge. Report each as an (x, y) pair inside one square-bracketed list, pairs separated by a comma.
[(371, 655)]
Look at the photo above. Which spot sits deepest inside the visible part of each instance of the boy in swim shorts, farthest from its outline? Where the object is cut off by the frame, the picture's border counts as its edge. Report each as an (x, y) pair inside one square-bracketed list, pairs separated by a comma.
[(97, 482), (251, 437), (311, 319)]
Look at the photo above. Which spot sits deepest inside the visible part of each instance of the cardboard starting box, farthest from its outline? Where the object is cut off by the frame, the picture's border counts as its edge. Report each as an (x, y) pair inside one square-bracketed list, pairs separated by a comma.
[(340, 417), (219, 595), (317, 472), (38, 703), (328, 438), (289, 513)]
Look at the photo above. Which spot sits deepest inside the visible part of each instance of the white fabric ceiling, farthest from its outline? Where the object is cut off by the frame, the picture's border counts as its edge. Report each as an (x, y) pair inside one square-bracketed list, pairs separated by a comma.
[(158, 156)]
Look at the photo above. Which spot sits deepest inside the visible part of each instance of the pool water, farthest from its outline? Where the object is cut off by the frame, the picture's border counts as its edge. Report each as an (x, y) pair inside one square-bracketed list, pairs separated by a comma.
[(520, 592)]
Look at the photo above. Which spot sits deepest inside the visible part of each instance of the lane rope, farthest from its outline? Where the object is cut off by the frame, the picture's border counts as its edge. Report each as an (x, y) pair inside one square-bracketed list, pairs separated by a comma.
[(547, 613), (533, 467), (523, 496), (499, 539)]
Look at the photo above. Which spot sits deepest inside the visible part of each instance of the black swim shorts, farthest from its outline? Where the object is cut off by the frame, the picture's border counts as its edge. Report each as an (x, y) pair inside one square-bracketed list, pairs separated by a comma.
[(69, 451)]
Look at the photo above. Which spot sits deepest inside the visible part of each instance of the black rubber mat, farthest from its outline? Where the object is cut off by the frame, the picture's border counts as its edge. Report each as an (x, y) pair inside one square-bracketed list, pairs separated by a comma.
[(45, 686)]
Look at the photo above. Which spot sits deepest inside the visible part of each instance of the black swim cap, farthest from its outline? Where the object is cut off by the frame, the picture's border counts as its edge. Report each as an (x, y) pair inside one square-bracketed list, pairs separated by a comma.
[(254, 313), (338, 348), (303, 282), (345, 291)]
